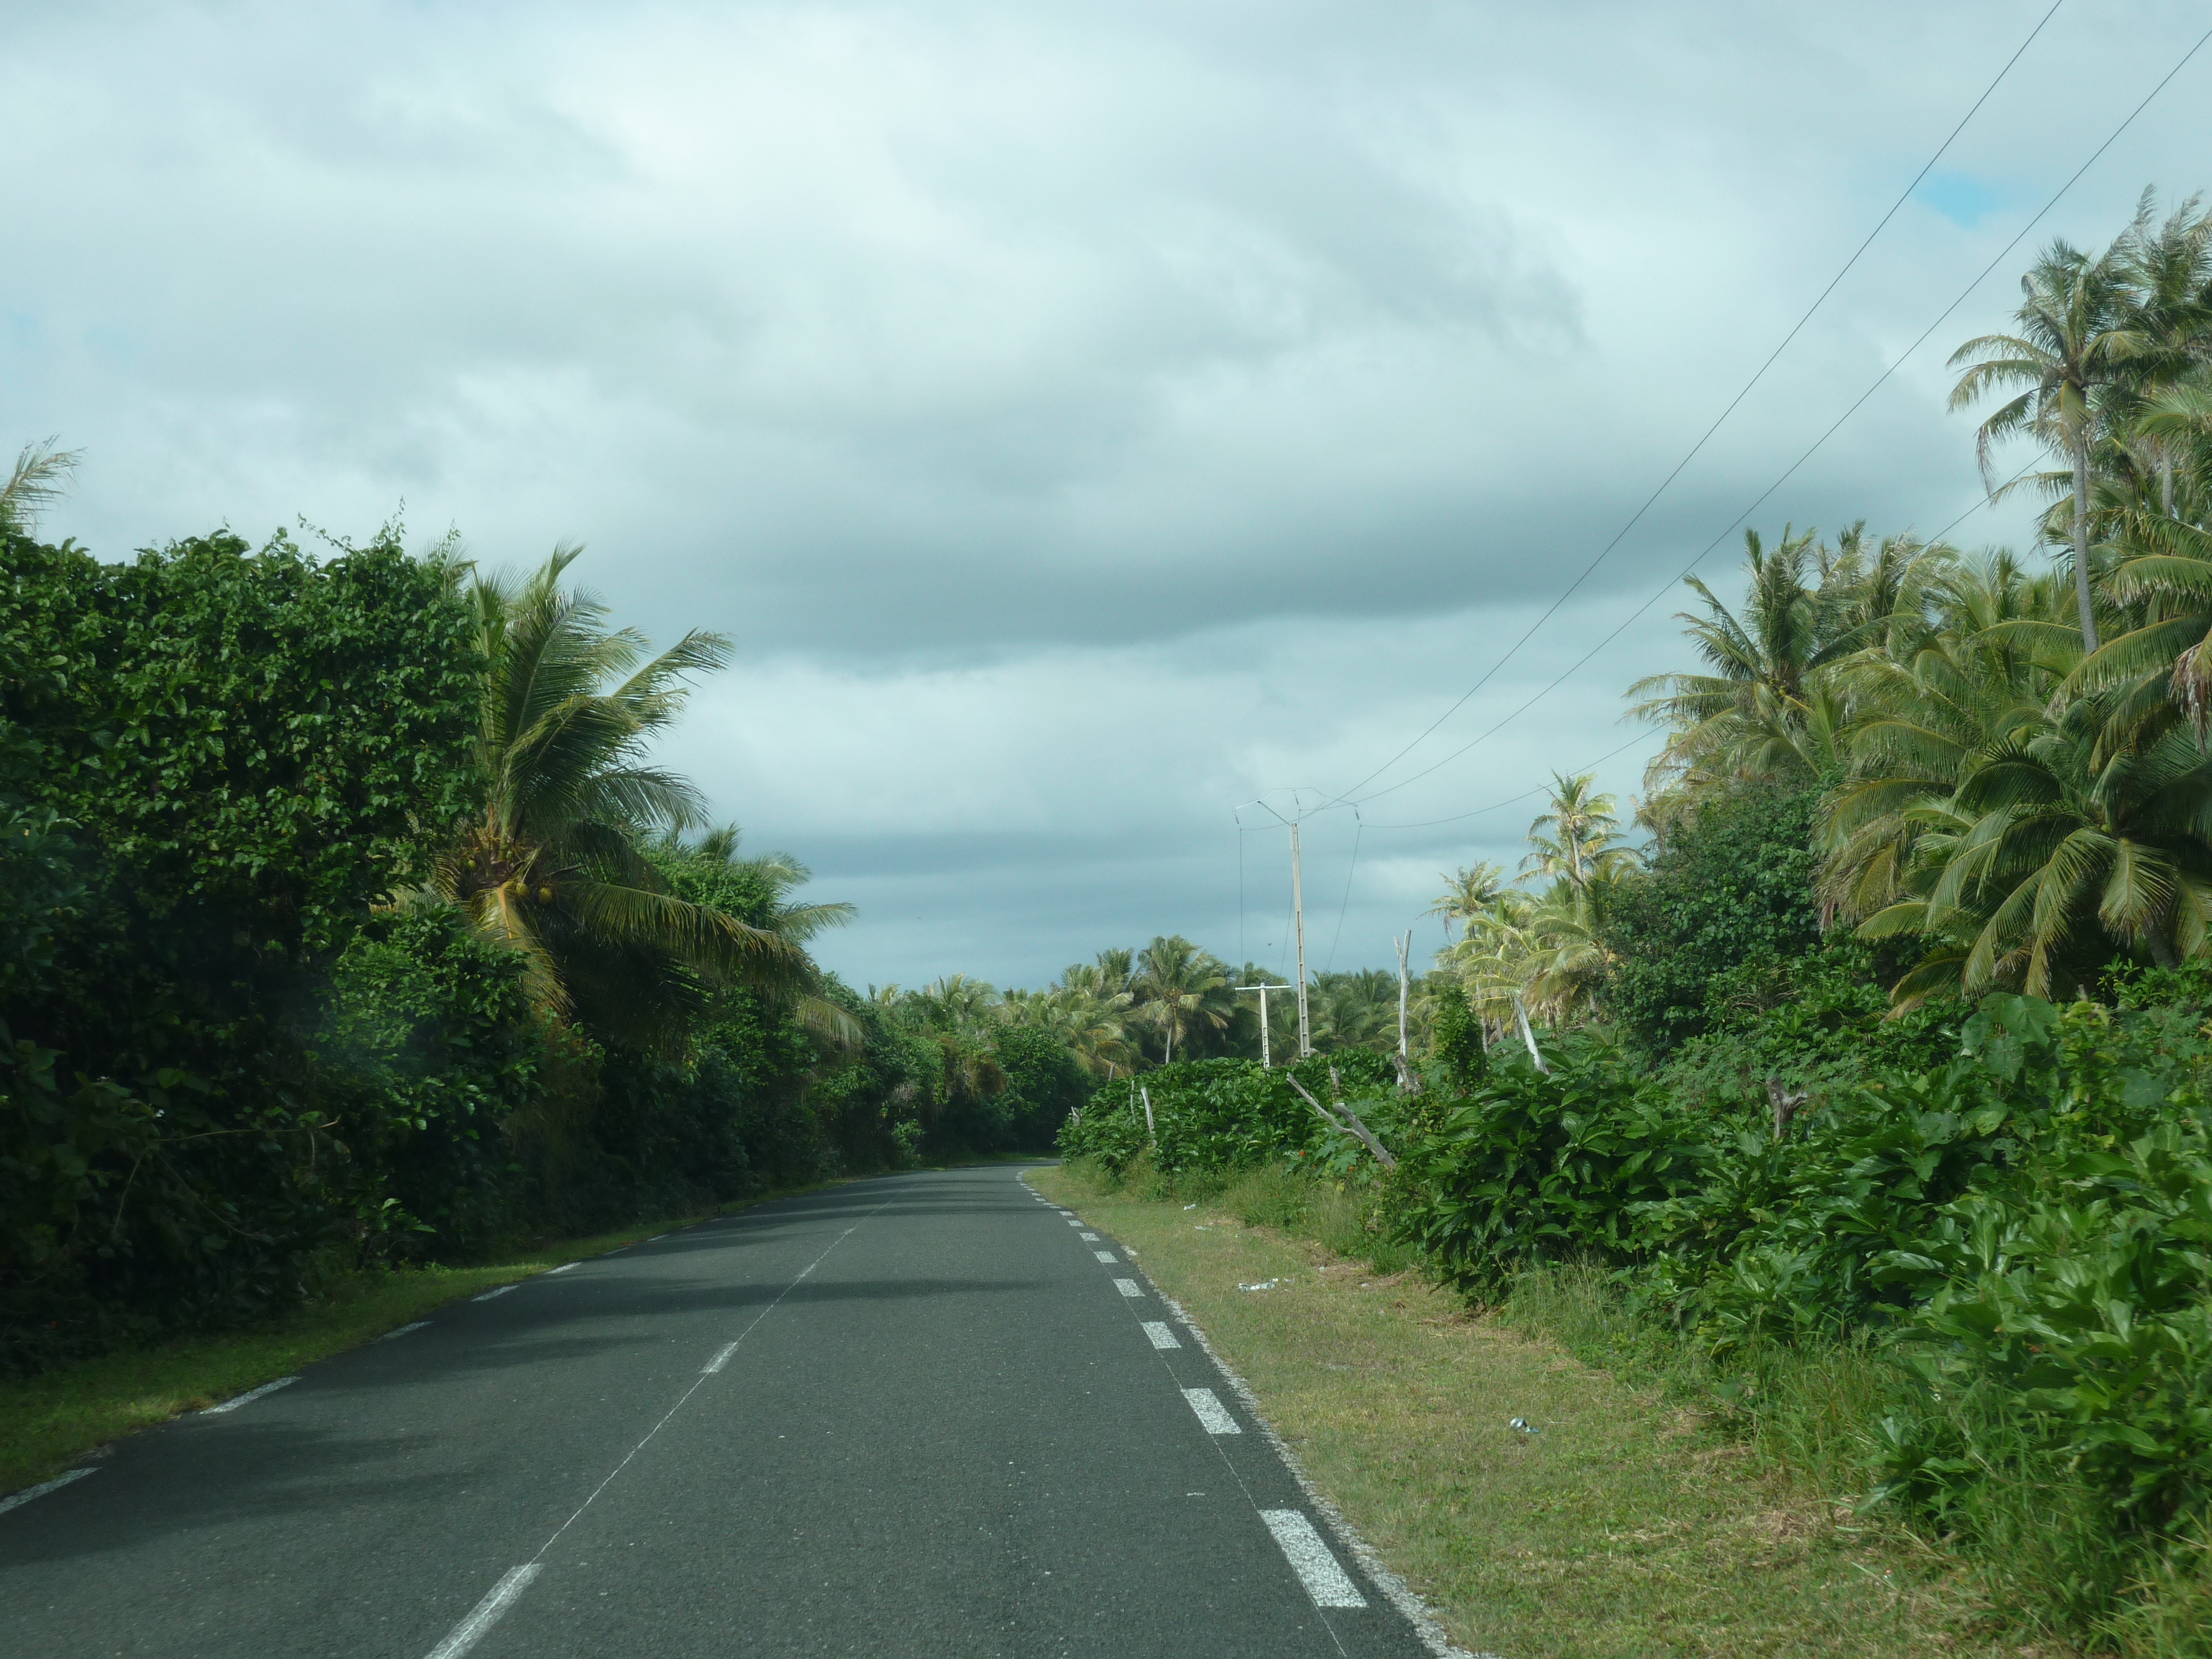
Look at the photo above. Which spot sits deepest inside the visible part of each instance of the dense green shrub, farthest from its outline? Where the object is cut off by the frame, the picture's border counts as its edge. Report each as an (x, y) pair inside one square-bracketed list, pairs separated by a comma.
[(1727, 901), (1216, 1114)]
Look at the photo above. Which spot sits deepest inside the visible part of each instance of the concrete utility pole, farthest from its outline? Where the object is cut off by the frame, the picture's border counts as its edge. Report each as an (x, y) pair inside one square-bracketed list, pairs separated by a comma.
[(1298, 911), (1404, 985), (1265, 1059)]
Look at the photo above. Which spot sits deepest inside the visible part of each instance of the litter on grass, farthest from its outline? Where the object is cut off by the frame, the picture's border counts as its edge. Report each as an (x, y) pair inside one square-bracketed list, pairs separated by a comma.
[(1264, 1285), (1524, 1425)]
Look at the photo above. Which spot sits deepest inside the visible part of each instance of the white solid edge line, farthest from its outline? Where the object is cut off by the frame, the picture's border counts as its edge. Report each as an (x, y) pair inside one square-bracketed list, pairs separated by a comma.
[(720, 1359), (1161, 1336), (1318, 1569), (250, 1395), (1128, 1287), (1211, 1412), (466, 1634), (419, 1325), (1396, 1589), (497, 1290), (42, 1489)]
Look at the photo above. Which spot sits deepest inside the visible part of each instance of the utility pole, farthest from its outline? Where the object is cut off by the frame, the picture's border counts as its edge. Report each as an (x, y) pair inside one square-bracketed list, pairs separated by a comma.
[(1298, 911), (1266, 1059), (1405, 1052)]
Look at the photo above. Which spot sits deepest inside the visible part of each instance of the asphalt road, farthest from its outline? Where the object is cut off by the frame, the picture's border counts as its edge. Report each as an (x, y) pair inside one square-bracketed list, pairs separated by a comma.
[(912, 1416)]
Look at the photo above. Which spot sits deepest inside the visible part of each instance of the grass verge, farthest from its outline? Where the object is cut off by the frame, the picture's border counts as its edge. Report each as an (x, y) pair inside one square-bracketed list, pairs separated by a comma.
[(51, 1420), (1626, 1523)]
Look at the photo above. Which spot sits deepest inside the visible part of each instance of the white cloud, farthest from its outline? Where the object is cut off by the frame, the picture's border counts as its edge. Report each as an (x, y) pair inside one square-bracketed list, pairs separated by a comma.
[(1083, 418)]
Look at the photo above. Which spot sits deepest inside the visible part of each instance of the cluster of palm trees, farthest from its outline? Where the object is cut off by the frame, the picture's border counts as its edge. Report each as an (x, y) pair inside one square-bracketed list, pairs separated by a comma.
[(1541, 945), (1115, 1014), (2011, 762), (1126, 1010)]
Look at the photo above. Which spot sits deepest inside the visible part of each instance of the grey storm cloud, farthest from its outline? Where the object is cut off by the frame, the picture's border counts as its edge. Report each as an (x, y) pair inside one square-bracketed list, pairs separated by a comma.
[(1083, 419)]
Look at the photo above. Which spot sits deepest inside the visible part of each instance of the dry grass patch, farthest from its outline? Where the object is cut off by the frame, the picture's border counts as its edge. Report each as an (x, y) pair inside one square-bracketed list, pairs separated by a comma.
[(1621, 1526)]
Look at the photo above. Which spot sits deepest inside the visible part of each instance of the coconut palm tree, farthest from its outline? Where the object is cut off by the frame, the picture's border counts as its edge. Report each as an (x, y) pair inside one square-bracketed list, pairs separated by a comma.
[(1180, 988), (711, 870), (1094, 1028), (41, 474), (1467, 893), (2051, 857), (2078, 334), (1983, 676), (1578, 836), (556, 867)]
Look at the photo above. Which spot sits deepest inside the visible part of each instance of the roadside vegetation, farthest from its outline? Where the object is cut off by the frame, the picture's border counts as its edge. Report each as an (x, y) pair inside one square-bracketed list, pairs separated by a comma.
[(1618, 1521), (1851, 1094), (348, 926)]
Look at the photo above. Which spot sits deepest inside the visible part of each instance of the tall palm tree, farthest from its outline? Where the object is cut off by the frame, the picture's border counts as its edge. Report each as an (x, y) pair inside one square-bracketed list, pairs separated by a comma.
[(2078, 332), (1467, 893), (1578, 836), (1180, 987), (556, 867)]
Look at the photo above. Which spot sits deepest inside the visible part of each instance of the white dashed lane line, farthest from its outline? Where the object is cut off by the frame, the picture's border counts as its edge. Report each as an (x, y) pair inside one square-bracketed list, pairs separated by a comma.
[(419, 1325), (562, 1268), (1105, 1256), (1128, 1287), (1317, 1568), (1161, 1336), (501, 1290), (1088, 1238), (720, 1360), (1211, 1412), (466, 1634), (250, 1395)]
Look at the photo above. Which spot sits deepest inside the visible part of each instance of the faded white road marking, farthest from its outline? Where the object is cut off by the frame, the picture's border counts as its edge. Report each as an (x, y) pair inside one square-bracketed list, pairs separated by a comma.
[(42, 1489), (466, 1634), (1075, 1221), (1128, 1287), (1161, 1336), (1328, 1584), (562, 1268), (1093, 1237), (720, 1360), (1105, 1256), (1211, 1412), (250, 1395), (499, 1291), (419, 1325)]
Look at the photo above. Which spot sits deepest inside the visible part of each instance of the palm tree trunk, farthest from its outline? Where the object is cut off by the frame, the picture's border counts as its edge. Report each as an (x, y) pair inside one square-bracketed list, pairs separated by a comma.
[(2081, 541)]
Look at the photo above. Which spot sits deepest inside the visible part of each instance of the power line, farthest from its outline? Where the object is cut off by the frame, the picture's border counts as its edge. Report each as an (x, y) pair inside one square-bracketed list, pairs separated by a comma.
[(1592, 766), (1636, 517), (1791, 471), (1495, 806)]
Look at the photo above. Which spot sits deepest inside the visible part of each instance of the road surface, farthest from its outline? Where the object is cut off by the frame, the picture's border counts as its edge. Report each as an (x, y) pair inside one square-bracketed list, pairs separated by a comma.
[(924, 1415)]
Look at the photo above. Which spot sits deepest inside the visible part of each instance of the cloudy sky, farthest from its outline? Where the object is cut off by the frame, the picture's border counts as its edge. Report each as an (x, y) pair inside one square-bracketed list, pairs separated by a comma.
[(1084, 419)]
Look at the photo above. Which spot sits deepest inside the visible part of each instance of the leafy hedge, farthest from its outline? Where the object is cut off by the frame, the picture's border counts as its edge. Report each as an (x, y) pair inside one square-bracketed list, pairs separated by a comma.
[(234, 1056)]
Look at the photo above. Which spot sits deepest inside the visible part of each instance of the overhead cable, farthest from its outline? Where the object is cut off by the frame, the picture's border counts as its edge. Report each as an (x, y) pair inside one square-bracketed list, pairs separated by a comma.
[(1636, 516), (1791, 471)]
